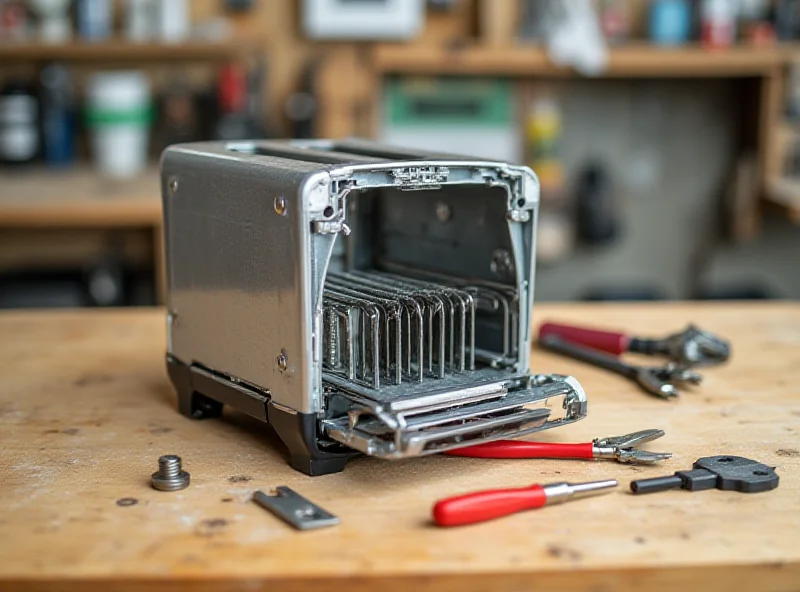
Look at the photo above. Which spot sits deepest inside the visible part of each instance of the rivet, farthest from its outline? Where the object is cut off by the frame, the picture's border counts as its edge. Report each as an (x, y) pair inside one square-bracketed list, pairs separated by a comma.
[(172, 185), (443, 212), (280, 205)]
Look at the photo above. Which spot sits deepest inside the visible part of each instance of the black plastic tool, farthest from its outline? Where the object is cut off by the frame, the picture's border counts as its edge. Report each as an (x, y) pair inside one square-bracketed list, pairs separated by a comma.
[(732, 473)]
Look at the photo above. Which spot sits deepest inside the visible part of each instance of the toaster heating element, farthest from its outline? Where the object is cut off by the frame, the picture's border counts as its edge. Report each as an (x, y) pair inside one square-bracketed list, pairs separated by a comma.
[(356, 297)]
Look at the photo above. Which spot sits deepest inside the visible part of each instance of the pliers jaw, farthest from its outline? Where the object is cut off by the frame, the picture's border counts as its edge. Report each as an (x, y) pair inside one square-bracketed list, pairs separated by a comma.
[(659, 380), (623, 448)]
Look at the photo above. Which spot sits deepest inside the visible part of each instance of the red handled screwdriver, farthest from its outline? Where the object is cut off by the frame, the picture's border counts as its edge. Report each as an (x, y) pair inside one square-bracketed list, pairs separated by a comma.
[(495, 503)]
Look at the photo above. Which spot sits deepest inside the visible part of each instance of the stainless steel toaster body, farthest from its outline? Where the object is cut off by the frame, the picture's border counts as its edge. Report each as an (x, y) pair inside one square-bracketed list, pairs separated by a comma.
[(357, 297)]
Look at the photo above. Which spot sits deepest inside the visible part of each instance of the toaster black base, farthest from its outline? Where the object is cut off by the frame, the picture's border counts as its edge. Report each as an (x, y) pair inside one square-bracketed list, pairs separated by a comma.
[(201, 396)]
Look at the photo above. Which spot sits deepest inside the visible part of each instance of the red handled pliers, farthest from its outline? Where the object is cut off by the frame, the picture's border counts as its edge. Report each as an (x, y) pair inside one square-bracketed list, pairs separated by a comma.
[(620, 448)]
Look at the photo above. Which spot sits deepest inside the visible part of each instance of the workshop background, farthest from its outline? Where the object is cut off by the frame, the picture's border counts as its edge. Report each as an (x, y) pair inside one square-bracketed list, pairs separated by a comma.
[(664, 132)]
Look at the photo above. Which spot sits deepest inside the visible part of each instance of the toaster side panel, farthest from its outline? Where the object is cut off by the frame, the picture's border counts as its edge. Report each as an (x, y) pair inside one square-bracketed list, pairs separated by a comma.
[(235, 282)]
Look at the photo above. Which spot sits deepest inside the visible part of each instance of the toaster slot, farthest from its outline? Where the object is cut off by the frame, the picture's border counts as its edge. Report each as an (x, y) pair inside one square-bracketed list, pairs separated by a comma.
[(421, 327), (496, 320), (380, 329)]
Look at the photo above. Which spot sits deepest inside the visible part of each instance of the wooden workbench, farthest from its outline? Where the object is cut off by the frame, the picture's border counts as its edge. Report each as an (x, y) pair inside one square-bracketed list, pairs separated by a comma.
[(85, 410)]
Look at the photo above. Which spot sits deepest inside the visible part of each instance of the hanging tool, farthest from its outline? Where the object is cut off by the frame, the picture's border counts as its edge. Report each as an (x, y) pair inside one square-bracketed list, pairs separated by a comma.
[(655, 380), (620, 448), (691, 347), (730, 473), (486, 505)]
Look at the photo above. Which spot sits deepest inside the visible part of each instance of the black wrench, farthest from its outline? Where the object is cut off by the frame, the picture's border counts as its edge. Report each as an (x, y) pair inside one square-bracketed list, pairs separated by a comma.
[(656, 380)]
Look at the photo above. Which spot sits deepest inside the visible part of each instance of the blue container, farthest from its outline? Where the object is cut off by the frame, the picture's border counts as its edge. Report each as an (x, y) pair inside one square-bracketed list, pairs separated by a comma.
[(58, 115), (94, 19), (670, 22)]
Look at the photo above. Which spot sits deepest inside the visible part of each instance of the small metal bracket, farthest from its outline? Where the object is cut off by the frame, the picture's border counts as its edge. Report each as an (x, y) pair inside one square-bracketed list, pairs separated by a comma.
[(293, 508)]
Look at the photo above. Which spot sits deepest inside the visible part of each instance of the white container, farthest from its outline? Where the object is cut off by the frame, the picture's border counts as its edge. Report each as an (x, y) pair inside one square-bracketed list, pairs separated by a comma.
[(141, 20), (54, 22), (345, 19), (718, 23), (174, 20), (119, 116)]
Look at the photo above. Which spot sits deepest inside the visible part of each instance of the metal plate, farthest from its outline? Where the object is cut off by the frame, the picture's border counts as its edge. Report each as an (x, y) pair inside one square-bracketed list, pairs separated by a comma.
[(379, 430), (294, 509)]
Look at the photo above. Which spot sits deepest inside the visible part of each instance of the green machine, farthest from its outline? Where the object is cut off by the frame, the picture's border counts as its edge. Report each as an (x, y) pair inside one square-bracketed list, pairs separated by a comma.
[(462, 115)]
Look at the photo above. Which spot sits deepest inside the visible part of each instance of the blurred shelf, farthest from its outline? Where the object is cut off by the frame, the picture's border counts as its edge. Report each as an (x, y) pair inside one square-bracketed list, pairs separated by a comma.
[(791, 52), (120, 50), (79, 198), (637, 60), (785, 192)]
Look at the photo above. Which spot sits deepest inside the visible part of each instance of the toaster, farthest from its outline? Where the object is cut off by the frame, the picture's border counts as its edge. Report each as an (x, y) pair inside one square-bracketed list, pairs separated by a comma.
[(358, 298)]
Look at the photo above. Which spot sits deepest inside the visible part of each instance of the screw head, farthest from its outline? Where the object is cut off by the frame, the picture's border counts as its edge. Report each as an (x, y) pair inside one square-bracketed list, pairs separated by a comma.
[(280, 205), (282, 361), (172, 185), (501, 262)]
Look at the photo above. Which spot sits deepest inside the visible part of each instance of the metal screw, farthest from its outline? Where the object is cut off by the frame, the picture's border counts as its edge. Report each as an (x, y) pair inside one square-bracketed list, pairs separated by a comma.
[(280, 205), (501, 262), (443, 212), (172, 185), (283, 363), (170, 476)]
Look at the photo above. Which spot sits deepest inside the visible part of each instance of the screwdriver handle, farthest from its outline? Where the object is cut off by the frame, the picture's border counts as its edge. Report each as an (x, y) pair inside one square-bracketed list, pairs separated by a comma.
[(590, 355), (607, 341), (487, 505), (517, 449)]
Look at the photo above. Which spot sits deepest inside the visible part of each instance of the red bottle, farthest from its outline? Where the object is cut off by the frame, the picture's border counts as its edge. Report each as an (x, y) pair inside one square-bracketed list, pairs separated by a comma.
[(718, 23)]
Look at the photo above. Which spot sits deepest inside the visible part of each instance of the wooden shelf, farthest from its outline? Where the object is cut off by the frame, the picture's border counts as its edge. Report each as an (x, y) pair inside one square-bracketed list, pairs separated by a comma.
[(119, 50), (79, 198), (785, 192), (635, 60)]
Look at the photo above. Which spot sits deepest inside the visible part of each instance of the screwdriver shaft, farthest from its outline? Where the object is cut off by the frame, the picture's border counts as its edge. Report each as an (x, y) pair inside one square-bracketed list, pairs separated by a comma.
[(558, 493)]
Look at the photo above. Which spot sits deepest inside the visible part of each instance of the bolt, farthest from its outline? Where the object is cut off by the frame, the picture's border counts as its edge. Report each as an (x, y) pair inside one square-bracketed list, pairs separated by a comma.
[(172, 185), (280, 205), (170, 476)]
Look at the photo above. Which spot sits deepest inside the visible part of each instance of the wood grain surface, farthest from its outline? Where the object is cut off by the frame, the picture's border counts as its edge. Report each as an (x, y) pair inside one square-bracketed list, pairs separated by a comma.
[(85, 410), (79, 198), (627, 61)]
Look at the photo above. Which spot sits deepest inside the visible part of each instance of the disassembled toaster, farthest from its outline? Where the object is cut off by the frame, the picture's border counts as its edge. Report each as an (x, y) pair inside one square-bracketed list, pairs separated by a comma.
[(355, 296)]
